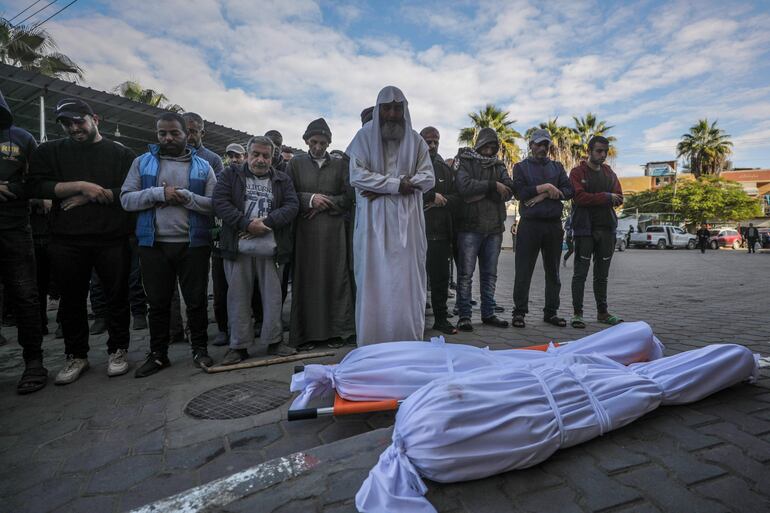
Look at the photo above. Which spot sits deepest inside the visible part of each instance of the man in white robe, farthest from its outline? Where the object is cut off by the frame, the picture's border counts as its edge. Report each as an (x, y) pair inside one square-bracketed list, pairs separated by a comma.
[(390, 169)]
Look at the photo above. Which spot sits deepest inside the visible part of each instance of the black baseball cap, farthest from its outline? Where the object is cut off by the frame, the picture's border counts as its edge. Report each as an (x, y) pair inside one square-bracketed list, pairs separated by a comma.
[(72, 108)]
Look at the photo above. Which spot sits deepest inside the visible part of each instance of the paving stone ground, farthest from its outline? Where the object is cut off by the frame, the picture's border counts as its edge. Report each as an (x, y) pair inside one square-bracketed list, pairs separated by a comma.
[(113, 444)]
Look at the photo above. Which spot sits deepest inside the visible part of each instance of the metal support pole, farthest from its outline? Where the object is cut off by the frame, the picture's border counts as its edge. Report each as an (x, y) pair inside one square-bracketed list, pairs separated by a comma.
[(43, 136)]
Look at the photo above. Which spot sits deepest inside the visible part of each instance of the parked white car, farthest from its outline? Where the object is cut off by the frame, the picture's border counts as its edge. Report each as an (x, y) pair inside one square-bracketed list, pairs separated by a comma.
[(662, 237)]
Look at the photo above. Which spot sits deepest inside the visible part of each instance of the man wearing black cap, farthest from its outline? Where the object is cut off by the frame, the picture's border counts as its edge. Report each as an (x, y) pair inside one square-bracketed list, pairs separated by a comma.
[(89, 230), (541, 185), (322, 305), (17, 260), (440, 202), (484, 185)]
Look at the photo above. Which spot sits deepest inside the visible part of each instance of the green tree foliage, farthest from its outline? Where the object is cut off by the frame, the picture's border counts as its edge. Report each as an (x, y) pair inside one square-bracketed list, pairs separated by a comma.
[(134, 91), (706, 148), (585, 128), (34, 50), (710, 198), (492, 117)]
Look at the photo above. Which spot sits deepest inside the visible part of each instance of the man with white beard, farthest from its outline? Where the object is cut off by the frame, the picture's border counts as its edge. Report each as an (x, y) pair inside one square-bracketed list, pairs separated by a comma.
[(390, 168)]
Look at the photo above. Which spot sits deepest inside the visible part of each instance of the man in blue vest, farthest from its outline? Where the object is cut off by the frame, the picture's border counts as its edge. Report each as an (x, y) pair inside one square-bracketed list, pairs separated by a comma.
[(171, 188)]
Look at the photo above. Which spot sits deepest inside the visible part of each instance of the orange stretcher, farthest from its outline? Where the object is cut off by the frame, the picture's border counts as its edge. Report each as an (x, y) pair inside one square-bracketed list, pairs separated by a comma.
[(344, 407)]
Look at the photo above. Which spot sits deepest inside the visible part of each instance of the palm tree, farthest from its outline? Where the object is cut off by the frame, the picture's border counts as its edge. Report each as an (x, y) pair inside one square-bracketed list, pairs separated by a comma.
[(563, 138), (706, 147), (134, 91), (492, 117), (587, 127), (34, 50)]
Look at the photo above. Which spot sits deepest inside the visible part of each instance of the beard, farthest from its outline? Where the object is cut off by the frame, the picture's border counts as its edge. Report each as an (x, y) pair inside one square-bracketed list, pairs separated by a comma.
[(392, 130)]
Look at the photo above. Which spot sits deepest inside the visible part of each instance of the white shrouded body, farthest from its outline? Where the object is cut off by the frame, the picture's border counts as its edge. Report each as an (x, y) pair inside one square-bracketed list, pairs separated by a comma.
[(496, 419), (395, 370)]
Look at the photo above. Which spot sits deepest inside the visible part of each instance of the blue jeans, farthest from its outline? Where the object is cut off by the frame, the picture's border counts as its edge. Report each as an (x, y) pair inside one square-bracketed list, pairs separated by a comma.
[(485, 248)]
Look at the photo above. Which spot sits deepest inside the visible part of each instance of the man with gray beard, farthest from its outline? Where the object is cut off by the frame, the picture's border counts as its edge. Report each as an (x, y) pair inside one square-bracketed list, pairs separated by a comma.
[(390, 168)]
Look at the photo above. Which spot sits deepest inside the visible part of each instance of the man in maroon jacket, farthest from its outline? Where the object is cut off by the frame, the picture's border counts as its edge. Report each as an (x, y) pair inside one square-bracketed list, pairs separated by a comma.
[(597, 193)]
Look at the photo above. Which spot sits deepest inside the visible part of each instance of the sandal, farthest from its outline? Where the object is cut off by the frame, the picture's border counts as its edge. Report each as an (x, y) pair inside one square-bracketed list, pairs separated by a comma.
[(445, 327), (556, 321), (33, 379), (612, 320), (518, 321), (577, 322), (335, 343)]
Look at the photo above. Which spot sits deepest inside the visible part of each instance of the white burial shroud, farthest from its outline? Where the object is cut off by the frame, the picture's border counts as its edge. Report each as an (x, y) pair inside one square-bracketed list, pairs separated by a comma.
[(493, 420), (394, 370)]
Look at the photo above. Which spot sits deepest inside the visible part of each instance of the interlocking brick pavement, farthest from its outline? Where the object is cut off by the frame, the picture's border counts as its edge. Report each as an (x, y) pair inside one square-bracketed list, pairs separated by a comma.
[(112, 444)]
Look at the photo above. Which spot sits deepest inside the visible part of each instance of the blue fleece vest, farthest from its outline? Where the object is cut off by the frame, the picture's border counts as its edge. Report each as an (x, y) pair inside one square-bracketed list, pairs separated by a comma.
[(200, 224)]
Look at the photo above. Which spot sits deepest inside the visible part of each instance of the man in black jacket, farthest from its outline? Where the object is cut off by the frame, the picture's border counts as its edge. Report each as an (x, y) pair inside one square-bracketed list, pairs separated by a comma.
[(439, 204), (540, 184), (89, 230), (484, 185), (257, 205), (17, 260)]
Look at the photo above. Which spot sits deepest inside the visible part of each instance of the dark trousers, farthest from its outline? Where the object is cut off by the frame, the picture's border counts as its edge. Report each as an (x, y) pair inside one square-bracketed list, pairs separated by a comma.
[(162, 265), (437, 263), (703, 245), (72, 264), (533, 238), (43, 271), (752, 242), (600, 246), (136, 297), (17, 273), (484, 248)]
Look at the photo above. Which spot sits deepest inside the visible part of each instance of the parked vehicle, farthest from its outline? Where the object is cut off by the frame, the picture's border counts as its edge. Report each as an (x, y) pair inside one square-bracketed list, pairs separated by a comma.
[(764, 237), (725, 238), (662, 237)]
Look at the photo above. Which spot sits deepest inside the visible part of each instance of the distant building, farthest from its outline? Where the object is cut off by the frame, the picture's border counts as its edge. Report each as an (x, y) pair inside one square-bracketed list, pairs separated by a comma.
[(662, 173), (756, 183)]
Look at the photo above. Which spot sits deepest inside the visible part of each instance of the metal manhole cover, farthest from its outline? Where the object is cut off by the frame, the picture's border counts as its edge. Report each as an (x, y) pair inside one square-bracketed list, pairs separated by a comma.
[(238, 400)]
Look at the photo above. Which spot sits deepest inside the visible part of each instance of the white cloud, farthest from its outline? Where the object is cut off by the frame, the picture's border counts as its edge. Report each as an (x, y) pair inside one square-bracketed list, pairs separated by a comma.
[(279, 64)]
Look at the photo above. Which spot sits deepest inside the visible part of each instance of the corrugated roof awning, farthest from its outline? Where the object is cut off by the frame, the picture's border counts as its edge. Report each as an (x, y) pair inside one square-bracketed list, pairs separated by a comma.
[(22, 90)]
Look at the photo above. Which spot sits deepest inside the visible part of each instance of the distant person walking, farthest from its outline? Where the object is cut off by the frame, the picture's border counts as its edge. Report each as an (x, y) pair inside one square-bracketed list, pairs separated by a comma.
[(752, 236), (703, 237), (569, 238)]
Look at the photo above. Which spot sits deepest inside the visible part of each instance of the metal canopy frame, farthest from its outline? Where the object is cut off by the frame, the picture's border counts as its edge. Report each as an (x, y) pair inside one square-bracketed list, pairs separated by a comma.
[(32, 98)]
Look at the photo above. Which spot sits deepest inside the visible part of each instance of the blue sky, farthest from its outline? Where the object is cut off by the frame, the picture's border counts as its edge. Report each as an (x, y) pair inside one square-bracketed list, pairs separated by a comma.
[(649, 68)]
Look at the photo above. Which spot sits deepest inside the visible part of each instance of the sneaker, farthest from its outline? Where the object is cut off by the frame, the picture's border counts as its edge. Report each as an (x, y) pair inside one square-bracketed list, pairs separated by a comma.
[(140, 322), (59, 333), (154, 363), (233, 356), (221, 339), (118, 363), (495, 321), (202, 359), (465, 324), (99, 326), (280, 349), (72, 370), (499, 309)]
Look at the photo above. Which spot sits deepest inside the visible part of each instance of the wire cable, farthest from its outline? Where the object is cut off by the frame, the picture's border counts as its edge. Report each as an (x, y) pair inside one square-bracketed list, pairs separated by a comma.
[(25, 10), (34, 13), (54, 14)]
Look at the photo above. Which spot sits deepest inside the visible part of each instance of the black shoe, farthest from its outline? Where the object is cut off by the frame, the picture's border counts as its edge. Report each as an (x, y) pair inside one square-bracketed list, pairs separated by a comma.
[(140, 322), (499, 309), (465, 324), (233, 356), (221, 340), (154, 363), (201, 359), (445, 327), (59, 333), (495, 321), (99, 326)]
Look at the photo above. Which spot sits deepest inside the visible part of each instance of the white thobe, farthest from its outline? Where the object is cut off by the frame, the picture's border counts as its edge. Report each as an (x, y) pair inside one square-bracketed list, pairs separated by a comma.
[(389, 248)]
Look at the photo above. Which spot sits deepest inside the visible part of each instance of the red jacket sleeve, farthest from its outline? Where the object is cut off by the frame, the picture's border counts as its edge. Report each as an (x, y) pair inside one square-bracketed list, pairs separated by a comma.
[(588, 199)]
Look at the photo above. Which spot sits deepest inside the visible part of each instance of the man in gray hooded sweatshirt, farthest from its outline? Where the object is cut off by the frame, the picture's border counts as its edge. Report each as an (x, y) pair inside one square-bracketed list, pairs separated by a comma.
[(484, 185)]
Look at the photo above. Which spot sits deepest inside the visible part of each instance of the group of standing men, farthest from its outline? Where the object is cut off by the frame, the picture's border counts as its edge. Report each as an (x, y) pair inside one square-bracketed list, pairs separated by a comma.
[(272, 220)]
